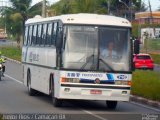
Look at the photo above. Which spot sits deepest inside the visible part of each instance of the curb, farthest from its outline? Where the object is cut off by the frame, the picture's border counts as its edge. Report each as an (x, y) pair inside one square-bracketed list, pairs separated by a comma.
[(133, 98), (145, 101)]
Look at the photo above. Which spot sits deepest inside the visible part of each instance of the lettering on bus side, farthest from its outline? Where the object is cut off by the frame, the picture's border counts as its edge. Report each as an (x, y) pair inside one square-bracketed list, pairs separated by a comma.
[(92, 75), (33, 57), (73, 74), (83, 75)]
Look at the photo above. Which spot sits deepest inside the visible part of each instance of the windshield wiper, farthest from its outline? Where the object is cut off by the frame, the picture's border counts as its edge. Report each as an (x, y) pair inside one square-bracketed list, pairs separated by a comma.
[(100, 59), (89, 58)]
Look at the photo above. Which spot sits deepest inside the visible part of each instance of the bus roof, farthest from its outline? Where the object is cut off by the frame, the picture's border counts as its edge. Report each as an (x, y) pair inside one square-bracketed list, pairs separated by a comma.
[(84, 18)]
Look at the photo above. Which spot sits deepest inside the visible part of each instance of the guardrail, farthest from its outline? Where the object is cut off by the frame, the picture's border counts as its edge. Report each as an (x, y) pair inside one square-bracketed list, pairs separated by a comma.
[(7, 43)]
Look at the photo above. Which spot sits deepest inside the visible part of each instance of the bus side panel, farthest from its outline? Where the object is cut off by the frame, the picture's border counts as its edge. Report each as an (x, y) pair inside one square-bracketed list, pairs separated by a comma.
[(41, 56), (41, 81), (41, 62), (24, 55)]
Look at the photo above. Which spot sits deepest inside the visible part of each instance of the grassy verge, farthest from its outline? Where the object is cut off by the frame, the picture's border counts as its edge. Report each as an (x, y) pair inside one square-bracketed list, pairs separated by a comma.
[(154, 44), (1, 116), (156, 58), (11, 52), (146, 84)]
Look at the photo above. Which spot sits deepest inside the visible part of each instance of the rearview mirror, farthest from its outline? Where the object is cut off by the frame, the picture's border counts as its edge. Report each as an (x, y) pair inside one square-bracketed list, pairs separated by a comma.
[(136, 47)]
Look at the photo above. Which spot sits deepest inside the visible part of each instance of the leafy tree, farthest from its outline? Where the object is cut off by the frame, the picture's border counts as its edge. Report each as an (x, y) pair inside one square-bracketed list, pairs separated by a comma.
[(16, 15), (98, 6), (80, 6)]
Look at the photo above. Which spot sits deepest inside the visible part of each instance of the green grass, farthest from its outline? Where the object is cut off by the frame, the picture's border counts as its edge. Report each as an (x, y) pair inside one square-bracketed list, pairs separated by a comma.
[(1, 116), (146, 84), (11, 52), (154, 44), (156, 58)]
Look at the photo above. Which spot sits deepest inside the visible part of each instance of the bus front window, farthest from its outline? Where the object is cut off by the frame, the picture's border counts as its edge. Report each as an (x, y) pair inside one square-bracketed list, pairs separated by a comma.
[(81, 48), (96, 48), (114, 49)]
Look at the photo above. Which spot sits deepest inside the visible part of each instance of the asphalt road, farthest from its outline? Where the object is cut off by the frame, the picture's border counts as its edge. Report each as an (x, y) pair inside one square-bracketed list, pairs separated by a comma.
[(14, 99), (157, 67)]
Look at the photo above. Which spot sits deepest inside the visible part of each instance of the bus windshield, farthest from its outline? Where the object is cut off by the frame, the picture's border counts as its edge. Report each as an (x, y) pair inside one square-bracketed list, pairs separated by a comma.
[(97, 48)]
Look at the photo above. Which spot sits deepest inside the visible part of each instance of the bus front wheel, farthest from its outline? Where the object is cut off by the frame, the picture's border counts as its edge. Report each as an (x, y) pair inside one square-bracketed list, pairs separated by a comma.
[(111, 104), (56, 102)]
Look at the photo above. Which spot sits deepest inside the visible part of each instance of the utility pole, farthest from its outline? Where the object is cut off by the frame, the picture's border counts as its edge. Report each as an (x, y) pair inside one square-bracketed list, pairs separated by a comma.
[(108, 2), (151, 17), (44, 8), (131, 10), (150, 10)]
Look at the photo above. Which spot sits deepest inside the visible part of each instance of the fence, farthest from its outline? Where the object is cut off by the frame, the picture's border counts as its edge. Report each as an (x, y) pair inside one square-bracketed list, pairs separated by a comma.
[(7, 43)]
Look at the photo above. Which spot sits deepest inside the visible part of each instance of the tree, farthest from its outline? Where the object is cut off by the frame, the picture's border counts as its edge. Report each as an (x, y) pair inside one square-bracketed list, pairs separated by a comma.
[(98, 6), (79, 6), (16, 15)]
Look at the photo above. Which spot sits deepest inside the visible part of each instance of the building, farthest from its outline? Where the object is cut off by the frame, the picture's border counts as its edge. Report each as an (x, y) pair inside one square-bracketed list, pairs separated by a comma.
[(147, 17)]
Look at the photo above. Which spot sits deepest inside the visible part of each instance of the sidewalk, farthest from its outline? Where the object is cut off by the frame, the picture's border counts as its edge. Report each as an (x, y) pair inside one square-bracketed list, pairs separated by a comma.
[(133, 98)]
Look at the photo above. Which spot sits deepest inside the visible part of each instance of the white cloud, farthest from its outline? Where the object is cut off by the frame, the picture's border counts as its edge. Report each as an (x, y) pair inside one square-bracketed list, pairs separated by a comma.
[(50, 1)]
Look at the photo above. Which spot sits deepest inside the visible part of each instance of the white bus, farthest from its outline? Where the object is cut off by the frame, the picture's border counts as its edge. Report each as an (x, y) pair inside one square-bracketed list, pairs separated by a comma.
[(63, 56)]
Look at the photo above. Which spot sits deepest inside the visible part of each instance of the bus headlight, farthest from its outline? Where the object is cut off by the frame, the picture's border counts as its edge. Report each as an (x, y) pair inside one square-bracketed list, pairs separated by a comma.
[(71, 80)]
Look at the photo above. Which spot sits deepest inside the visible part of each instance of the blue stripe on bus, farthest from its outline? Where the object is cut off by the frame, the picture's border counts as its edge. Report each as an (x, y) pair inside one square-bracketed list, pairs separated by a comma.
[(86, 81), (92, 81), (110, 77)]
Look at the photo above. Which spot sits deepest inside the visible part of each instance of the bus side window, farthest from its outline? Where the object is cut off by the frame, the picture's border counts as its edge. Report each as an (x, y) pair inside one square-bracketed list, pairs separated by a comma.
[(30, 35), (44, 33), (39, 34), (49, 33), (54, 34), (46, 38), (41, 40), (26, 35), (34, 37)]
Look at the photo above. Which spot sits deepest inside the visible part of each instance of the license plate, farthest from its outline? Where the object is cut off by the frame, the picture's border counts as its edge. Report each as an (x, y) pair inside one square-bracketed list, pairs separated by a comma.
[(144, 66), (95, 91)]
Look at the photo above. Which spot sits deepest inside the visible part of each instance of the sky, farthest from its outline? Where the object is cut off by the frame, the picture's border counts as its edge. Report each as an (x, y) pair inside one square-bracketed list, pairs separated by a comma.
[(50, 1), (155, 4)]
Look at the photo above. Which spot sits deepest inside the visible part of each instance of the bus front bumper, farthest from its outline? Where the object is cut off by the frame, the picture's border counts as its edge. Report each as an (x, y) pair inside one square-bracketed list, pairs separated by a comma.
[(86, 92)]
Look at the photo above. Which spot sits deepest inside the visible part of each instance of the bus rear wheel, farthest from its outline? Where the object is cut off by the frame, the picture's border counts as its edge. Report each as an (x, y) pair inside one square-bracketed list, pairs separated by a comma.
[(56, 102), (111, 104)]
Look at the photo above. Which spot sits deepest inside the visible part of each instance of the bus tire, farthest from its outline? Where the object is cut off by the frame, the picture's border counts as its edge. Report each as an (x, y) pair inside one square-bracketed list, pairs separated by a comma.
[(56, 102), (31, 91), (111, 104)]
